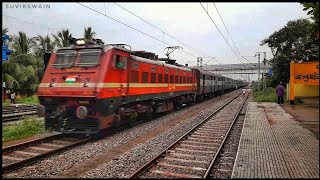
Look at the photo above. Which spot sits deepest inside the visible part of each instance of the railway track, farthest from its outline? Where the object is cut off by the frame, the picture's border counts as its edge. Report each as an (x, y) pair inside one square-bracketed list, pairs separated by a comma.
[(16, 156), (194, 153), (14, 113)]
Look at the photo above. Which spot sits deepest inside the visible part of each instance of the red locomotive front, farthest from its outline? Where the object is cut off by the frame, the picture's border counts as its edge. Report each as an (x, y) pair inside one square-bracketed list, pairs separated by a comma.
[(90, 87)]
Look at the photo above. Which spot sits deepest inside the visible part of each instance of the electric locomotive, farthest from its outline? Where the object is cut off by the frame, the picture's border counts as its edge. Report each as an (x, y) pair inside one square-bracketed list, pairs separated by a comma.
[(89, 87)]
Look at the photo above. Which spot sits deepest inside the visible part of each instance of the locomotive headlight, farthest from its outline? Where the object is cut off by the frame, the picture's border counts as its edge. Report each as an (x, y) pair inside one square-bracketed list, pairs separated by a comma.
[(81, 112), (80, 42)]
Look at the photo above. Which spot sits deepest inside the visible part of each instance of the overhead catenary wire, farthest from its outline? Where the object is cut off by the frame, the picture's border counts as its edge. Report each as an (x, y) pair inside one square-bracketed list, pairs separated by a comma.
[(219, 30), (228, 32), (46, 27), (132, 28), (159, 29)]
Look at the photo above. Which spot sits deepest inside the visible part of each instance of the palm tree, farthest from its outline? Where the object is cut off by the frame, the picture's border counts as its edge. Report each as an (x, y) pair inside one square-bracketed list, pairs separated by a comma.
[(23, 72), (21, 44), (88, 33), (42, 44), (62, 39)]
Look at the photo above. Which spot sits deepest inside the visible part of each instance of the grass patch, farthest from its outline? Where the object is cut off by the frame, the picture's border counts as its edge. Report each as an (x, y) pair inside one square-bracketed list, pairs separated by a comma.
[(26, 128), (28, 100), (265, 96)]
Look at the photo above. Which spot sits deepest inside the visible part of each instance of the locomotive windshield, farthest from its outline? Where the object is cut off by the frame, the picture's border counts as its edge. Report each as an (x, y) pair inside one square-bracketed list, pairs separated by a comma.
[(64, 59), (88, 57)]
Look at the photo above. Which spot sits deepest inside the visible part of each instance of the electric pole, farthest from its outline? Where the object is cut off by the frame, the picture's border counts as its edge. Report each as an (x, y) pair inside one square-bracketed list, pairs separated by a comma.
[(259, 72), (264, 84), (198, 62), (264, 73)]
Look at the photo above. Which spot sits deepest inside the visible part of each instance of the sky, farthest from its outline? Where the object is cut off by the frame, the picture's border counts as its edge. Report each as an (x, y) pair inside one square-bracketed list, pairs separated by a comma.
[(188, 25)]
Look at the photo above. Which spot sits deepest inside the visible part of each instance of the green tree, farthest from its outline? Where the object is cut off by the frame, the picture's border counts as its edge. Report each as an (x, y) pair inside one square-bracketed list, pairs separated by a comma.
[(88, 33), (42, 44), (23, 72), (313, 10), (62, 38), (21, 44), (294, 41)]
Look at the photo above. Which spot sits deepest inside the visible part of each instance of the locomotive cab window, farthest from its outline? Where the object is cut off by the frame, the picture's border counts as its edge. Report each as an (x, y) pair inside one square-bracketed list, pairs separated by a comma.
[(118, 62), (89, 57), (64, 59)]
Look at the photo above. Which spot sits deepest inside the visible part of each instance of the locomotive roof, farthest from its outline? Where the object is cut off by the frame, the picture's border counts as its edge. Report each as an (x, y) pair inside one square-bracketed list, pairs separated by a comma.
[(213, 74), (141, 59)]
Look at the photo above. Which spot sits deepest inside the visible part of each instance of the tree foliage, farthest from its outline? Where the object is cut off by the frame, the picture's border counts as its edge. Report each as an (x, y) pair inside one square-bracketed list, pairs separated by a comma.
[(295, 41), (23, 72), (21, 44), (62, 38), (88, 33), (313, 10), (42, 44)]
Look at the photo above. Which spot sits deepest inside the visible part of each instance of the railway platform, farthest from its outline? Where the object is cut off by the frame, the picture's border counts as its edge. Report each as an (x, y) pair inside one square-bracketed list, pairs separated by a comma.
[(273, 144)]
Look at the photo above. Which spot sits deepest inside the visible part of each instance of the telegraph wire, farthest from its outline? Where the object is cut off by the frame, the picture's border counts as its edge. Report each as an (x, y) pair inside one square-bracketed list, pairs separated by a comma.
[(228, 32), (132, 27), (46, 27), (219, 30), (159, 29)]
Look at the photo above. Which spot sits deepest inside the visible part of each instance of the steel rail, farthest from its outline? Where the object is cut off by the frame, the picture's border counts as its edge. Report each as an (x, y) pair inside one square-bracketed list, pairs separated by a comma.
[(26, 161), (224, 139), (149, 164)]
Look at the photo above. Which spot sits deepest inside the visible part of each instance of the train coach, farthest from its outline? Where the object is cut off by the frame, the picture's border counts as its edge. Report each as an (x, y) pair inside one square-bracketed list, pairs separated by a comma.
[(91, 87)]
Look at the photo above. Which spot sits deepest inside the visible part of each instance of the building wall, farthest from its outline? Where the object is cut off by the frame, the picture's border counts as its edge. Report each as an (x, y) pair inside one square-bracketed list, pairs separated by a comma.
[(302, 90)]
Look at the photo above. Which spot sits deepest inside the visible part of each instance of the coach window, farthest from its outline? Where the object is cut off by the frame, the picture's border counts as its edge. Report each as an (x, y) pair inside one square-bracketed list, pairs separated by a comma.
[(153, 78), (144, 77), (160, 78), (134, 76), (180, 80), (184, 80), (166, 78), (177, 79), (171, 78)]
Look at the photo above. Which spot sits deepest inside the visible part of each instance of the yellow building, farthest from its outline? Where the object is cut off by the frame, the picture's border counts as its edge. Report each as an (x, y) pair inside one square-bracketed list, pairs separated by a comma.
[(304, 78)]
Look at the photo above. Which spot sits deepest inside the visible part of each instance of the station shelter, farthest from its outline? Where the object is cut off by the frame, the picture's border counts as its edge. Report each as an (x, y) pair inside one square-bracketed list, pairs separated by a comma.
[(304, 80)]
